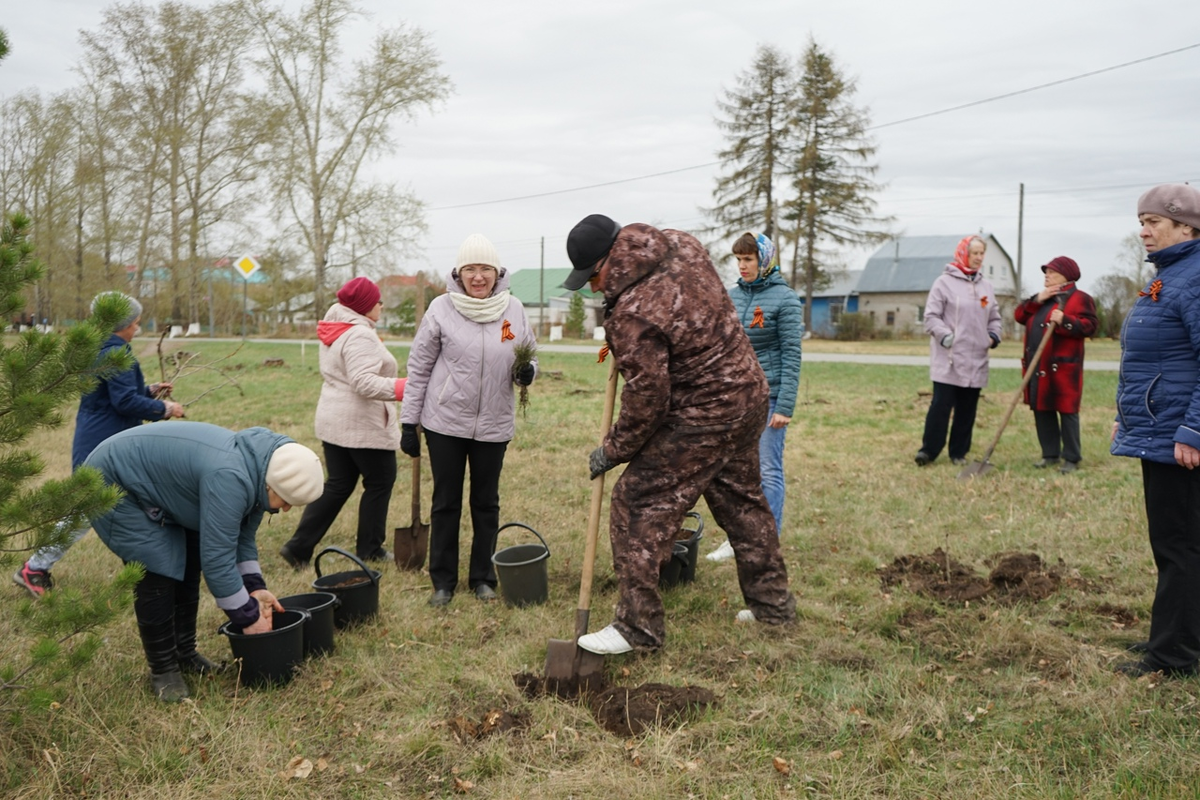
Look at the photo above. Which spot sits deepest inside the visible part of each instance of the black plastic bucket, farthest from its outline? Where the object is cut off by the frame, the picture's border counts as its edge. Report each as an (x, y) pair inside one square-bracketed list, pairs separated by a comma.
[(681, 568), (522, 570), (671, 573), (269, 658), (693, 545), (318, 631), (358, 590)]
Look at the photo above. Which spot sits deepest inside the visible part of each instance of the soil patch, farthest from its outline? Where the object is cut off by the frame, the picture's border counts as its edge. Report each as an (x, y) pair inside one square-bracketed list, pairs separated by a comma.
[(485, 723), (622, 710), (1014, 577), (350, 582), (1121, 617)]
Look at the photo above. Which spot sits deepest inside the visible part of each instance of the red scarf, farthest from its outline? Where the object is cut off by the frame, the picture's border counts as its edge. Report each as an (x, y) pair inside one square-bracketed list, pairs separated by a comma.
[(962, 255)]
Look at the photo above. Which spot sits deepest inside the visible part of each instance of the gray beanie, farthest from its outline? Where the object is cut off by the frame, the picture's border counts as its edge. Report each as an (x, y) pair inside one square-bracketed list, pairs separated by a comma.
[(135, 309), (1175, 201)]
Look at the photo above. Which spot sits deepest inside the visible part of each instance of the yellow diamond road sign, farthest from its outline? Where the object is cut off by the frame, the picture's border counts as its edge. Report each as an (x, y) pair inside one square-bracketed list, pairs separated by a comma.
[(247, 266)]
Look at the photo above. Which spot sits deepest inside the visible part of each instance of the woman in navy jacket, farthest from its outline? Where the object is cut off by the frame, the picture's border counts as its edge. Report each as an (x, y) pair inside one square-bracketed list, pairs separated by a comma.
[(1158, 421)]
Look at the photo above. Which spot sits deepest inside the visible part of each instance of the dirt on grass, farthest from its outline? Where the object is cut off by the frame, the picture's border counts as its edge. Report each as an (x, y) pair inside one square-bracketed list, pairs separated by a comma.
[(1014, 577), (486, 722), (622, 710)]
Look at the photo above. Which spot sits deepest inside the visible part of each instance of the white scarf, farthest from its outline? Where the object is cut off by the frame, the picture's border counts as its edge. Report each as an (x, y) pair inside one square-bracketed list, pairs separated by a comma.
[(488, 309)]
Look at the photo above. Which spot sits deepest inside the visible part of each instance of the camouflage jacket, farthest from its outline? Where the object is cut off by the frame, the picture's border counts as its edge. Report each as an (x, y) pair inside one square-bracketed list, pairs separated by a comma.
[(680, 348)]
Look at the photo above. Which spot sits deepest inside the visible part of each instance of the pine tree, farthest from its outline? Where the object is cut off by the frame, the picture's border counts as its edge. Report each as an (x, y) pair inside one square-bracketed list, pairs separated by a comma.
[(39, 374), (832, 174), (575, 316), (757, 119)]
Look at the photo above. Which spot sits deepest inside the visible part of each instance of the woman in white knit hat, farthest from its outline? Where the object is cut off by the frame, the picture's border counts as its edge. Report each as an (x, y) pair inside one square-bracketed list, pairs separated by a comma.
[(461, 392)]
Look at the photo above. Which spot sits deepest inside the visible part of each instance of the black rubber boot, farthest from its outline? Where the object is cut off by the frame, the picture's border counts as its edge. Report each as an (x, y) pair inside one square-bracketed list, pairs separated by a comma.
[(158, 640), (190, 661)]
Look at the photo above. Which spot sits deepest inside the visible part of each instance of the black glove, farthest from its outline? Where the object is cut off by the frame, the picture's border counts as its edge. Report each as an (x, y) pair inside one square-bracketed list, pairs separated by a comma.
[(524, 375), (410, 443), (995, 340), (598, 463)]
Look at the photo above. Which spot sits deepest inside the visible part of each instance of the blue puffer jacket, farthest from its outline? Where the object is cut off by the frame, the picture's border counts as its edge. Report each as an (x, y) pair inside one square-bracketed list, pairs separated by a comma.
[(776, 337), (194, 476), (1158, 392), (118, 403)]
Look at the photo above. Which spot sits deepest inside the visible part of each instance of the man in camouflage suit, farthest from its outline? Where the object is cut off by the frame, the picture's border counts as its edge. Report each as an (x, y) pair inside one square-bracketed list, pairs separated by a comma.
[(693, 406)]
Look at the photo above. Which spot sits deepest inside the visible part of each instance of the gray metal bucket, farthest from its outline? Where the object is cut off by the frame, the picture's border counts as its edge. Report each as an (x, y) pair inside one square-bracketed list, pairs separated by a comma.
[(522, 570)]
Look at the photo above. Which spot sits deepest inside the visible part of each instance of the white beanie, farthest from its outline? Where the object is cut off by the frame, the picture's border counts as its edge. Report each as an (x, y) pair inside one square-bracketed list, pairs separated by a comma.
[(478, 250), (295, 473)]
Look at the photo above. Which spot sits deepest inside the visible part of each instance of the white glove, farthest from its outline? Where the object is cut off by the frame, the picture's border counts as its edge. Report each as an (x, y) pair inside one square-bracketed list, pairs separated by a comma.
[(948, 341)]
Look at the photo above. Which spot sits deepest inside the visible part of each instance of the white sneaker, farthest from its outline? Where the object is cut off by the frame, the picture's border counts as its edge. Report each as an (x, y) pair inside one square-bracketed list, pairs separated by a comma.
[(607, 642), (745, 615), (722, 553)]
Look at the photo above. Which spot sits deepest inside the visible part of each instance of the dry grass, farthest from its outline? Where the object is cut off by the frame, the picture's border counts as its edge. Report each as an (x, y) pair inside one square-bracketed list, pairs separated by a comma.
[(871, 693)]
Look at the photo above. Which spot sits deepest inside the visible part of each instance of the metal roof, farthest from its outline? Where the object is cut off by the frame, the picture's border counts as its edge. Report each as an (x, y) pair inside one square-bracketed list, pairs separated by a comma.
[(913, 263), (528, 285)]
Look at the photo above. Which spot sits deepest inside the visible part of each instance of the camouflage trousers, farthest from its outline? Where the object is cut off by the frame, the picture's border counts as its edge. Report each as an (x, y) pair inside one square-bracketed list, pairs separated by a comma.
[(664, 480)]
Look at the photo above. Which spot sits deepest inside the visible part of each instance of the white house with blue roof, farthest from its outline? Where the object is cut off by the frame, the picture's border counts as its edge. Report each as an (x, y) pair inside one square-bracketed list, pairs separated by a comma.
[(896, 280)]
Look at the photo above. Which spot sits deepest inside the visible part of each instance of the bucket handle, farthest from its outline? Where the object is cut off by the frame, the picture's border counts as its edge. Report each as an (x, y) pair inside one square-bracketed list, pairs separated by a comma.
[(699, 522), (351, 556), (226, 628), (526, 527)]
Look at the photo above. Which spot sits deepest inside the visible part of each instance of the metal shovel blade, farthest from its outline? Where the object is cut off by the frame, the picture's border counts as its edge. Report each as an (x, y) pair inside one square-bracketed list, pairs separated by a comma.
[(568, 663), (974, 470)]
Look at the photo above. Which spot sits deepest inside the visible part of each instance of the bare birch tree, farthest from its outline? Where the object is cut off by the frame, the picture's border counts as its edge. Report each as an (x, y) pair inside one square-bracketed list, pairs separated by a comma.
[(339, 119)]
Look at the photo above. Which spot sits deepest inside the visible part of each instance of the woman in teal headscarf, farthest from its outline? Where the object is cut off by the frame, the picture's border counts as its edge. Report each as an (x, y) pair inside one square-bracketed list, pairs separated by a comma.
[(774, 320)]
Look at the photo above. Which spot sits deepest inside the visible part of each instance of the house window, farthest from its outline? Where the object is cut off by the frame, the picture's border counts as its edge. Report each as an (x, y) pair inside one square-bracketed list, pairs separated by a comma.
[(872, 317), (920, 313), (891, 318), (835, 312)]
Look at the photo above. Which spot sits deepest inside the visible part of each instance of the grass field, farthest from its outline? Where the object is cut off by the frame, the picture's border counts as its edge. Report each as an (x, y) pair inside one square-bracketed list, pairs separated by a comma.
[(875, 692)]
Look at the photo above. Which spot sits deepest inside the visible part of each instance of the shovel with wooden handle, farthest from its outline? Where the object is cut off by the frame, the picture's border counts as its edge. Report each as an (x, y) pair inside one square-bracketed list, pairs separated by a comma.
[(983, 467), (410, 544), (566, 661)]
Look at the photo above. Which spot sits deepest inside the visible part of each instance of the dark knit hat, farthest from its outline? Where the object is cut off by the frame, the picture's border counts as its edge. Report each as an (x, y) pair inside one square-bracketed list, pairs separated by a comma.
[(588, 242), (1064, 266), (360, 295), (1176, 201)]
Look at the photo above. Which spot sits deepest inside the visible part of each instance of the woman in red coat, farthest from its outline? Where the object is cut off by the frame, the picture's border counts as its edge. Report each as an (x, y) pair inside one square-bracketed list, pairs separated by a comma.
[(1056, 387)]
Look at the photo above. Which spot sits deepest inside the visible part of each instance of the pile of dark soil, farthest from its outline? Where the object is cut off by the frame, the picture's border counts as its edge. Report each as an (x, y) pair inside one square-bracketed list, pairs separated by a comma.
[(1014, 577), (625, 711)]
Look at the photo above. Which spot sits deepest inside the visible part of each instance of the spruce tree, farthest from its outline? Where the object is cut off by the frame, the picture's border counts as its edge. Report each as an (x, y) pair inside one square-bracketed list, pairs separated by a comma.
[(832, 174), (757, 119)]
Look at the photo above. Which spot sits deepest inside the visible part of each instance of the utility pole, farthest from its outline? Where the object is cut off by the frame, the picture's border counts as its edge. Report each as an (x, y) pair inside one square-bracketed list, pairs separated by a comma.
[(1020, 243), (542, 329)]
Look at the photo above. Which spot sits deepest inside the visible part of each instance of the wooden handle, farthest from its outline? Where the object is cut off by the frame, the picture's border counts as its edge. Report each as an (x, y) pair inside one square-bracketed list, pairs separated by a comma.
[(1033, 365), (416, 486), (593, 528)]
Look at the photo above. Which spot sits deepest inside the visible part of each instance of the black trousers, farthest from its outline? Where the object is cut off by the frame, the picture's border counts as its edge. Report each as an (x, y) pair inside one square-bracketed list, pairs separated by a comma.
[(1058, 440), (449, 457), (345, 465), (962, 402), (163, 604), (1173, 511)]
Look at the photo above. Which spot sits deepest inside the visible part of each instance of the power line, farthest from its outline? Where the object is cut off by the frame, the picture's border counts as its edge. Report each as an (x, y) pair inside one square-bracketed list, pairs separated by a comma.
[(1033, 88), (927, 115)]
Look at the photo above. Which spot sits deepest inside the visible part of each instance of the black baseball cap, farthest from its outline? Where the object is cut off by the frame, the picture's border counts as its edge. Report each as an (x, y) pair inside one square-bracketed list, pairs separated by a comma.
[(588, 242)]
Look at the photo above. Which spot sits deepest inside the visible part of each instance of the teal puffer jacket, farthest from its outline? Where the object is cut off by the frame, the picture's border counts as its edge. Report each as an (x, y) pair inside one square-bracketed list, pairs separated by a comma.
[(774, 333), (194, 476)]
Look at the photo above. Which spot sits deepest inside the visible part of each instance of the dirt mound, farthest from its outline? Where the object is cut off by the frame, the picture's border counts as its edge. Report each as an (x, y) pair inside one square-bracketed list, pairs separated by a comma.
[(1014, 576), (626, 712), (621, 710), (490, 721)]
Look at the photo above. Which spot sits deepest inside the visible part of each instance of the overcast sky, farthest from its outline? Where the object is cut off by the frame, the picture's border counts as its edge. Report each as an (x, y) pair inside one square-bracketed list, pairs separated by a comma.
[(552, 96)]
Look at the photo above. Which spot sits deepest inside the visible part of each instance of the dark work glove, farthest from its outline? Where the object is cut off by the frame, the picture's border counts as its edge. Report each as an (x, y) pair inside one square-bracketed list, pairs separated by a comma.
[(598, 463), (995, 340), (524, 375), (410, 443)]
